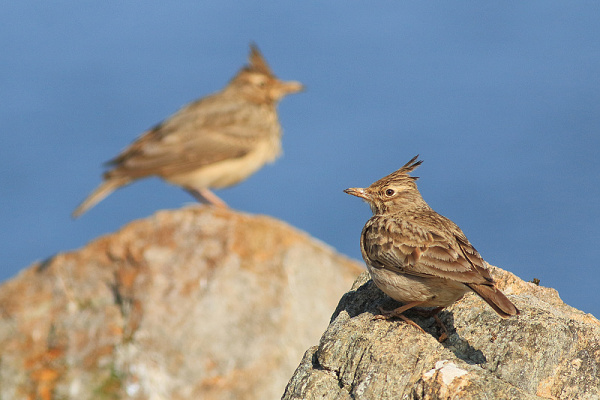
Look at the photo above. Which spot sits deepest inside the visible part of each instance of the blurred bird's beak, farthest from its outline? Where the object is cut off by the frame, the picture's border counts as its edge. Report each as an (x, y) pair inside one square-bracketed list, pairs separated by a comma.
[(292, 86), (282, 89), (359, 192)]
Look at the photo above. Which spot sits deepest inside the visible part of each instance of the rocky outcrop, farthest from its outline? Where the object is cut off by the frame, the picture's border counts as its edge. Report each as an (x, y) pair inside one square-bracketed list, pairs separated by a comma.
[(189, 304), (205, 303), (550, 351)]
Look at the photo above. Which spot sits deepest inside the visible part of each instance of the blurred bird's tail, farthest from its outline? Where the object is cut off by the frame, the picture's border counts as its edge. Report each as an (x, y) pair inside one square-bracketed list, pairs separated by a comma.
[(103, 190), (496, 299)]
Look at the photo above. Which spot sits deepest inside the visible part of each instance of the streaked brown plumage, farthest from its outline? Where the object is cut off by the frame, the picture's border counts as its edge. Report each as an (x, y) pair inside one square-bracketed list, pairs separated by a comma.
[(415, 255), (213, 142)]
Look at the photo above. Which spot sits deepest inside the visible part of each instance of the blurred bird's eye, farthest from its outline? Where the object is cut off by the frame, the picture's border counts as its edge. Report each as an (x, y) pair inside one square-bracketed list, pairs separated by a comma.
[(389, 192)]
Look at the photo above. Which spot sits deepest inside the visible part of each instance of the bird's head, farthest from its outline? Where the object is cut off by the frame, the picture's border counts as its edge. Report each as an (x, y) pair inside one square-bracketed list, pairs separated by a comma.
[(395, 192), (257, 83)]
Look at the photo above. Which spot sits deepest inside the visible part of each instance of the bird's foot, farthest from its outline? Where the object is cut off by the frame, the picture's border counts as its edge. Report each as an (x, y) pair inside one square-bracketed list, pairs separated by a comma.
[(398, 313)]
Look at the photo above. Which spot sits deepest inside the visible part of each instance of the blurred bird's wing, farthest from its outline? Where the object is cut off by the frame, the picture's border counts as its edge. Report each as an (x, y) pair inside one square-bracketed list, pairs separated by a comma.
[(170, 155), (200, 134), (426, 250)]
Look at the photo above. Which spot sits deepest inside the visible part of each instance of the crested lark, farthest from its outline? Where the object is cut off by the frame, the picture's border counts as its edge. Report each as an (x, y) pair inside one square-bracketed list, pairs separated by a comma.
[(415, 255), (213, 142)]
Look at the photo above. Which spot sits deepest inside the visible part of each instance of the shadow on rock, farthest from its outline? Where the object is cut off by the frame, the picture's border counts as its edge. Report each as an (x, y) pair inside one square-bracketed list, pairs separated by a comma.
[(368, 298), (460, 346)]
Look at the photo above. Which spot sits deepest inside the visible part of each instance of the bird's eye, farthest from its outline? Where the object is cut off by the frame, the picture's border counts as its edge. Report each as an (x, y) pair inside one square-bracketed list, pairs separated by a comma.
[(389, 192)]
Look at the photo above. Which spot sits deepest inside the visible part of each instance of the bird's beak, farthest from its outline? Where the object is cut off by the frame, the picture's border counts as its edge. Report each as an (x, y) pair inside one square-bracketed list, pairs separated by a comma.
[(359, 192)]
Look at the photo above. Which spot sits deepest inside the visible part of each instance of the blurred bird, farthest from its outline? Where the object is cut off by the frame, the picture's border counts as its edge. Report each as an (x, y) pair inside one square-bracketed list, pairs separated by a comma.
[(213, 142), (418, 257)]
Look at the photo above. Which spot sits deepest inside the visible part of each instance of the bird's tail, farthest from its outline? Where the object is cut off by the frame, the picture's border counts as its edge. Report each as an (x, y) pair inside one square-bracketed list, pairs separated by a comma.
[(103, 190), (496, 299)]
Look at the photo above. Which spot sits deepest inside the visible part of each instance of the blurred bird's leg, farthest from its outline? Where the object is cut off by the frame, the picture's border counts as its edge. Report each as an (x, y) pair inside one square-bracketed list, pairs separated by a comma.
[(398, 313), (207, 197)]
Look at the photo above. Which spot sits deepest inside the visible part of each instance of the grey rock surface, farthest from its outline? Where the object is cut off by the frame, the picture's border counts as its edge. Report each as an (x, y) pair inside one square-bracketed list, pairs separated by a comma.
[(197, 303), (550, 351)]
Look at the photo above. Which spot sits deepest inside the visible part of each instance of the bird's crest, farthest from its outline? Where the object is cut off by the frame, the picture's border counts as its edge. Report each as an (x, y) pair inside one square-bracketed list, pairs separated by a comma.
[(402, 173), (409, 166), (257, 62)]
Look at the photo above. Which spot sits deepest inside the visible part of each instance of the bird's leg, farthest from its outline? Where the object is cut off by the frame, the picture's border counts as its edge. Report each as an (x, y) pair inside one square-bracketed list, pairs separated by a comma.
[(434, 313), (444, 334), (207, 197), (398, 313), (429, 313)]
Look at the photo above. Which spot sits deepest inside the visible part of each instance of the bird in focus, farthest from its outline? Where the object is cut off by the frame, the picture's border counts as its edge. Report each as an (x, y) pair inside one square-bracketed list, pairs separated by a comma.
[(417, 256), (211, 143)]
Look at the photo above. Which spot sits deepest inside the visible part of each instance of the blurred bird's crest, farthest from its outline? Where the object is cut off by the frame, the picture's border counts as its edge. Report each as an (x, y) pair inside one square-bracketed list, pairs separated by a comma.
[(257, 62)]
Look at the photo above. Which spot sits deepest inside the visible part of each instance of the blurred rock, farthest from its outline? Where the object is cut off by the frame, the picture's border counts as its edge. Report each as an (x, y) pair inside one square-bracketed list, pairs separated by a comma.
[(550, 351), (188, 304)]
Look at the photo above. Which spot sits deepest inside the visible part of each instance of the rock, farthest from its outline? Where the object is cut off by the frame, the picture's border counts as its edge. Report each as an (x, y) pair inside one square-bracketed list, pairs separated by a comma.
[(195, 303), (550, 351)]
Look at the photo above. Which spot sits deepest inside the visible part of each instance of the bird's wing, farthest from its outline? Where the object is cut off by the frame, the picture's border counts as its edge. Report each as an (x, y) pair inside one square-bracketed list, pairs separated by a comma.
[(436, 249), (202, 133)]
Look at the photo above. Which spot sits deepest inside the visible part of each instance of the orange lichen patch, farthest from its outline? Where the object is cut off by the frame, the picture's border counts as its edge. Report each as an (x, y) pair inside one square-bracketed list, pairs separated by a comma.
[(256, 240), (44, 358), (45, 370), (210, 364), (215, 382), (238, 381), (189, 287), (126, 277), (91, 359), (115, 330), (214, 387), (45, 375), (131, 242), (134, 319)]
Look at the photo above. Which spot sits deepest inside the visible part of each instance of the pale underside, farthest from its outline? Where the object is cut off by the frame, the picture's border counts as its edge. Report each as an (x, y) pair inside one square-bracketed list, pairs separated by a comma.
[(435, 292), (230, 171)]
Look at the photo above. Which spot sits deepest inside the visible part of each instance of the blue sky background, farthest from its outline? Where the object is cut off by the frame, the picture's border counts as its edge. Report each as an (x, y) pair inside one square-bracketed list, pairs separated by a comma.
[(500, 99)]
